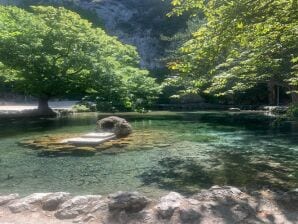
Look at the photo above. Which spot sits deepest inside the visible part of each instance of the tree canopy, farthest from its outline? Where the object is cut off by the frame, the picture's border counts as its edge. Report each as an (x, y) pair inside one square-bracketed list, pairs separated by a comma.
[(52, 52), (241, 44)]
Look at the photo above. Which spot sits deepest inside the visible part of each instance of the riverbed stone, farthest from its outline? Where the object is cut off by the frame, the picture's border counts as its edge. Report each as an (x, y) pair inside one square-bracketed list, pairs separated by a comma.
[(8, 198), (78, 205), (127, 201), (168, 204)]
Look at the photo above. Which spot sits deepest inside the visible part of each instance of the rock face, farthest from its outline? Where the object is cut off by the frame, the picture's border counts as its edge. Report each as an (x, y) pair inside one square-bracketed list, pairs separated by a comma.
[(213, 206), (5, 199), (168, 204), (48, 201), (52, 201), (77, 206), (127, 201), (119, 126)]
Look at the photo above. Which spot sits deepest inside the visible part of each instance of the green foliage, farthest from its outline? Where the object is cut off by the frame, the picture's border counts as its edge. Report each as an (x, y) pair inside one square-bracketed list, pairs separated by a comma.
[(128, 89), (81, 108), (293, 111), (53, 52), (243, 43), (72, 5)]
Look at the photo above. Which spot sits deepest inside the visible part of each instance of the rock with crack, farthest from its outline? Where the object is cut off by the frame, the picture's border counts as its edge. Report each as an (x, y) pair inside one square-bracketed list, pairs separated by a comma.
[(127, 201), (77, 206)]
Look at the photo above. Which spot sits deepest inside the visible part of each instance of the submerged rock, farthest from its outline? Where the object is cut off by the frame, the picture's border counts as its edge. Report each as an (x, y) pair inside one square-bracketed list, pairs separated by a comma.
[(119, 126), (127, 201)]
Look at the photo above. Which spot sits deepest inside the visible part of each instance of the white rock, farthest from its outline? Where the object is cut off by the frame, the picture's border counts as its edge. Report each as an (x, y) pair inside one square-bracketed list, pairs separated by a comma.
[(5, 199), (27, 202), (78, 205), (86, 141), (168, 204), (99, 135)]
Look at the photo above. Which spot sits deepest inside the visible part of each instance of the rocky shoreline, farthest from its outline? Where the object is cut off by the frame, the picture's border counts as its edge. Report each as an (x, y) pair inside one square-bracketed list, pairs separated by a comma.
[(216, 205)]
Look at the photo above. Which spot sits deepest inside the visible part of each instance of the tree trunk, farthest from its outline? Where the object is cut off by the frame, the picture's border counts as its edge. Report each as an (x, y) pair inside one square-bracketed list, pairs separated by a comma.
[(294, 97), (43, 106), (272, 93)]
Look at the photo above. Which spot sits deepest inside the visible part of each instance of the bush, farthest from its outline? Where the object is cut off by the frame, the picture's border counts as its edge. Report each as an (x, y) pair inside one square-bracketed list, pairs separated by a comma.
[(292, 112), (80, 108)]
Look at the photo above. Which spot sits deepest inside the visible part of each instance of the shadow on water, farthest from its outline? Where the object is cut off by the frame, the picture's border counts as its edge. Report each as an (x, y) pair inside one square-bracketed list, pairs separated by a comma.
[(187, 175), (246, 170), (51, 154), (178, 174)]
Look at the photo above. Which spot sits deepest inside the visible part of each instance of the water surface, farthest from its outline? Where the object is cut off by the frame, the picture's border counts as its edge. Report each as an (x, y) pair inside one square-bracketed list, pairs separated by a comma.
[(187, 152)]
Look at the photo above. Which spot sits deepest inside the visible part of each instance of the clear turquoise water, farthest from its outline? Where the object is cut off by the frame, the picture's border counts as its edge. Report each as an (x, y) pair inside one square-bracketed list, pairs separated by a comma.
[(205, 149)]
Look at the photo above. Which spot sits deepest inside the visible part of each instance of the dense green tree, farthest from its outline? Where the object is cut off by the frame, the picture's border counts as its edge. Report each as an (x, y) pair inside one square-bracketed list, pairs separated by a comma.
[(242, 44), (52, 52)]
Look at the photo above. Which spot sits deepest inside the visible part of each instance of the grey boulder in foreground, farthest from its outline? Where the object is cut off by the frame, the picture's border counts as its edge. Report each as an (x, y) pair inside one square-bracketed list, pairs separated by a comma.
[(216, 205)]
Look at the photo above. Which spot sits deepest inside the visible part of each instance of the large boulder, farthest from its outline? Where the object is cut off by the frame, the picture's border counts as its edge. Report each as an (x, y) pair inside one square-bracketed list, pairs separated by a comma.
[(127, 201), (119, 126)]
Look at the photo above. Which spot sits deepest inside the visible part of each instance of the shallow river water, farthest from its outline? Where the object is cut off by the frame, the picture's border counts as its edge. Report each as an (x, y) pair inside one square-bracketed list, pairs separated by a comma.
[(172, 151)]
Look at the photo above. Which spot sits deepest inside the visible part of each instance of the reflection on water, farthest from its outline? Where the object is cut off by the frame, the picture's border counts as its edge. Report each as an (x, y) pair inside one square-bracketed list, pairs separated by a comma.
[(169, 151)]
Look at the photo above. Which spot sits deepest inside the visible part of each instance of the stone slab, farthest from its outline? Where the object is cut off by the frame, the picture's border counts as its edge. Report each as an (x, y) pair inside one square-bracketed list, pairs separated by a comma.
[(86, 141), (99, 135)]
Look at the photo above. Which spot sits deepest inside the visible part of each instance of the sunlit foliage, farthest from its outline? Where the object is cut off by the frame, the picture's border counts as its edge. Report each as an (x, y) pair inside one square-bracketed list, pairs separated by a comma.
[(242, 43), (51, 52)]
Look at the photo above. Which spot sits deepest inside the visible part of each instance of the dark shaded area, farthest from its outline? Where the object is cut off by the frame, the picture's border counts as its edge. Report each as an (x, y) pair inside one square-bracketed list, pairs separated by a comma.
[(187, 176), (73, 153), (178, 174)]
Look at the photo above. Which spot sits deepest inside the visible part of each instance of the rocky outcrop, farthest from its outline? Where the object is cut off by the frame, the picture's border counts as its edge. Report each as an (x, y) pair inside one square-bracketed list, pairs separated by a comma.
[(119, 126), (168, 204), (47, 201), (79, 205), (127, 201), (215, 205), (7, 198)]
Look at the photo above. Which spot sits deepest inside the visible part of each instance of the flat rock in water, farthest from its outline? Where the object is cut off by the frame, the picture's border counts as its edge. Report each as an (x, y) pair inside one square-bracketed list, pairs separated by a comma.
[(99, 135), (86, 141)]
